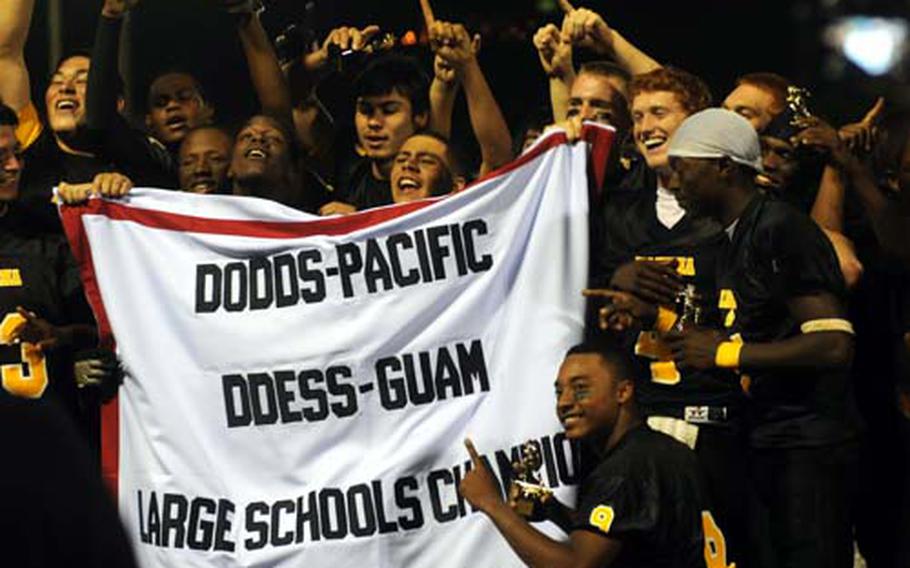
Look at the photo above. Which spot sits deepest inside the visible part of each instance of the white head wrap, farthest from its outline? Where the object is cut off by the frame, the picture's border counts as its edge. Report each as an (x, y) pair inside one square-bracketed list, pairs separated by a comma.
[(717, 133)]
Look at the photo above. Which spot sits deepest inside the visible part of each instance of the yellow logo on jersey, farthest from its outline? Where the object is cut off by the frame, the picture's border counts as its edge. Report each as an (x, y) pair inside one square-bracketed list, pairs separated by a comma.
[(727, 301), (665, 373), (10, 277), (715, 543), (602, 517), (685, 265)]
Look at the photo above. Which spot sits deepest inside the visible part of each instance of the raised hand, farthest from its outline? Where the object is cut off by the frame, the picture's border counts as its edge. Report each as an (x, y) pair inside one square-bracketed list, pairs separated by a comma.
[(555, 54), (820, 136), (454, 44), (585, 28), (343, 38), (478, 485), (444, 71), (427, 11), (861, 136)]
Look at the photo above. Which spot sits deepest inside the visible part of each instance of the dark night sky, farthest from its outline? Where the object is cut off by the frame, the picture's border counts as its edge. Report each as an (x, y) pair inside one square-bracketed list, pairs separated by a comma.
[(717, 39)]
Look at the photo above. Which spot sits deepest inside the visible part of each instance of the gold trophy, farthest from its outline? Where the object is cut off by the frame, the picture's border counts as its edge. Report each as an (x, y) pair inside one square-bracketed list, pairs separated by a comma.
[(688, 306), (798, 104), (527, 493)]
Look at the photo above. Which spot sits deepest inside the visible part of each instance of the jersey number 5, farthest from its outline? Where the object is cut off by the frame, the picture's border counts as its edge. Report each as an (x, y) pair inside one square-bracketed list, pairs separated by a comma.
[(28, 378)]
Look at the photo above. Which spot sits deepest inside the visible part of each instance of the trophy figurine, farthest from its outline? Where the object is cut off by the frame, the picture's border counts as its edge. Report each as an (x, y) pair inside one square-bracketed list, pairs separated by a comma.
[(689, 309), (798, 104), (527, 493)]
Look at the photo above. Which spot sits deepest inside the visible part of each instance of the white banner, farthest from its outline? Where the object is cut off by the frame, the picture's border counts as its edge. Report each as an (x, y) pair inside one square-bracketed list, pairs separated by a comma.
[(299, 388)]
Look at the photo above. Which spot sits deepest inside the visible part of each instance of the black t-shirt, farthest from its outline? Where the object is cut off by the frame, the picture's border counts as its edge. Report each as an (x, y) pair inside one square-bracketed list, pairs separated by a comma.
[(46, 165), (38, 273), (777, 253), (630, 231), (647, 492), (632, 174), (126, 151), (359, 187), (54, 510)]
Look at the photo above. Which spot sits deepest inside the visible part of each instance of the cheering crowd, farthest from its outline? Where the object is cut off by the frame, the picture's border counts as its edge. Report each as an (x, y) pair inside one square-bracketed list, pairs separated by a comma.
[(749, 290)]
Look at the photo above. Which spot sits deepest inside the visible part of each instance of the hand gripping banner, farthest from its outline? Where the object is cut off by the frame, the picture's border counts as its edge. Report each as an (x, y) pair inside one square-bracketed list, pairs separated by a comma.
[(298, 388)]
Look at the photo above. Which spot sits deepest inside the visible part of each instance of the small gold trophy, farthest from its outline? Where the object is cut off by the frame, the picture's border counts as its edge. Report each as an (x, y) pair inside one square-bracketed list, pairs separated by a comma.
[(527, 493), (798, 103), (689, 308)]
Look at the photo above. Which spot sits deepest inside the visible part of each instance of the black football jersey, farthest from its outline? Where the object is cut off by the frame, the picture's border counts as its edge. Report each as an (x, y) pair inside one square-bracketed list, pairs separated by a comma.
[(647, 492), (631, 230), (777, 253), (38, 273)]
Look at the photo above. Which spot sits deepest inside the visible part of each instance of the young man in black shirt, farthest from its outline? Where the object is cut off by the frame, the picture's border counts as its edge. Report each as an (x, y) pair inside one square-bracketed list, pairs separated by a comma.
[(642, 504), (44, 318), (785, 331), (649, 250), (60, 147), (391, 104)]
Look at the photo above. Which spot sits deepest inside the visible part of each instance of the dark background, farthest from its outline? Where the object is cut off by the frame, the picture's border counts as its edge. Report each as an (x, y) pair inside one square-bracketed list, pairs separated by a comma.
[(716, 39)]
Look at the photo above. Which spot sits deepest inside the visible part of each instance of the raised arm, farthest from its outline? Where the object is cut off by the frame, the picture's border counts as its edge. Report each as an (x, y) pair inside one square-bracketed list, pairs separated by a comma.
[(15, 19), (586, 28), (443, 92), (101, 92), (306, 72), (856, 138), (828, 209), (556, 59), (453, 44), (268, 79), (889, 223)]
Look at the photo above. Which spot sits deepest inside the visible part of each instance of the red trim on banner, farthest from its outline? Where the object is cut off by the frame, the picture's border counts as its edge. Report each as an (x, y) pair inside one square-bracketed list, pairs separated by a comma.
[(601, 139), (110, 413), (110, 445)]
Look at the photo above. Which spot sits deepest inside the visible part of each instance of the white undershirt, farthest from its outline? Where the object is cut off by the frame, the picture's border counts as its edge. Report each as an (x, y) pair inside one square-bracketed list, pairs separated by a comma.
[(669, 211)]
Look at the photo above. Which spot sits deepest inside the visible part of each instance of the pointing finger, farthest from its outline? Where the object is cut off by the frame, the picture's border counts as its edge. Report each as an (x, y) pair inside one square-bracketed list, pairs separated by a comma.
[(427, 10), (566, 6), (598, 293), (472, 451), (875, 112)]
